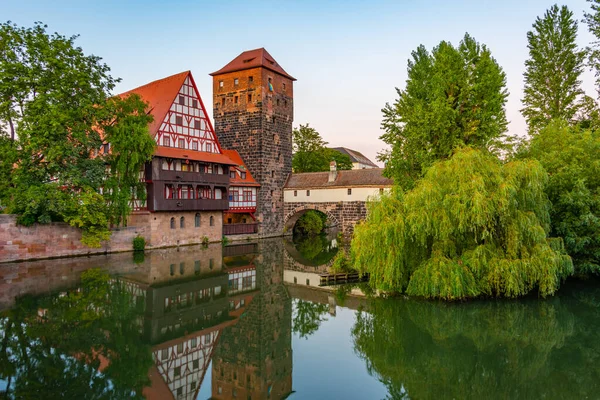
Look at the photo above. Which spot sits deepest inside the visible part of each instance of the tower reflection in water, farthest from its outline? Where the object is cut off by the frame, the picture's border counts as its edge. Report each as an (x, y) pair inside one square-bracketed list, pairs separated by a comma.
[(231, 308)]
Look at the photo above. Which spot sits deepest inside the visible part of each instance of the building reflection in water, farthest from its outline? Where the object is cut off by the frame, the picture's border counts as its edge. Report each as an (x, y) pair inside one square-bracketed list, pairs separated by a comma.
[(227, 305)]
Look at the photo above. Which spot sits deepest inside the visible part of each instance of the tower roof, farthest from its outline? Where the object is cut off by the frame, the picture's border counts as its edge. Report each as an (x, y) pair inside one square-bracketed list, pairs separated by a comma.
[(159, 95), (253, 59)]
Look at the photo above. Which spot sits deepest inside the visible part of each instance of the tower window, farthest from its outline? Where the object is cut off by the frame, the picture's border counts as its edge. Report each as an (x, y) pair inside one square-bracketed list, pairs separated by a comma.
[(278, 102), (221, 84), (349, 192), (235, 99), (283, 86), (181, 100), (236, 81), (272, 174), (178, 120), (249, 98), (308, 192), (223, 102), (250, 78), (285, 103), (195, 103), (271, 194)]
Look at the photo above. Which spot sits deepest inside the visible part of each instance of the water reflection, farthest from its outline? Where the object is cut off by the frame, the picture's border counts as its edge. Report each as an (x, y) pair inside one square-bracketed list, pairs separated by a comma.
[(505, 349)]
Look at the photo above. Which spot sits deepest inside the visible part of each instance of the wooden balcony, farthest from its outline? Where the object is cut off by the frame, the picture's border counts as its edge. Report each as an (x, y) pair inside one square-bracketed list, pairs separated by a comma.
[(189, 177), (190, 204), (239, 229)]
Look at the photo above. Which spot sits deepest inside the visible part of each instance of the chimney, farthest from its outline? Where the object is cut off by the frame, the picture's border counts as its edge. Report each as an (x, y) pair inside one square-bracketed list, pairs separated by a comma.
[(332, 171)]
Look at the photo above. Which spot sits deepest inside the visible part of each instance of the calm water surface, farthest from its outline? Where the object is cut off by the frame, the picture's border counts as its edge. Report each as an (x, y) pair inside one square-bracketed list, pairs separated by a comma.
[(249, 321)]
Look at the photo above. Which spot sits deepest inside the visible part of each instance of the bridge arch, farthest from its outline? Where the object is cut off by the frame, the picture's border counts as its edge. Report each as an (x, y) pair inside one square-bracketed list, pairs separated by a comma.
[(292, 217)]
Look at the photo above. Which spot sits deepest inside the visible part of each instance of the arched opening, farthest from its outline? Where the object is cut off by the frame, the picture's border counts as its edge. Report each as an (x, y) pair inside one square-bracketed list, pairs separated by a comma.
[(182, 222), (212, 221), (197, 220), (172, 223)]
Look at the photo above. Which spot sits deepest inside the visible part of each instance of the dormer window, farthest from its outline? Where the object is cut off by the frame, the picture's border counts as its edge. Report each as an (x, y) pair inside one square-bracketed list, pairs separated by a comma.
[(236, 81), (243, 174)]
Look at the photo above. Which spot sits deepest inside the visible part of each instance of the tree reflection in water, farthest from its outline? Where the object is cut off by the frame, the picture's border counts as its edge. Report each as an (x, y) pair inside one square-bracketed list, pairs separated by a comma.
[(307, 317), (492, 349), (81, 344)]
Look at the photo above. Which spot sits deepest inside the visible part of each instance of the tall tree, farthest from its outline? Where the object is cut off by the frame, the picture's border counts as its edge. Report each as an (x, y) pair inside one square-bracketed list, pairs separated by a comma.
[(131, 146), (454, 97), (552, 85), (310, 153), (592, 19)]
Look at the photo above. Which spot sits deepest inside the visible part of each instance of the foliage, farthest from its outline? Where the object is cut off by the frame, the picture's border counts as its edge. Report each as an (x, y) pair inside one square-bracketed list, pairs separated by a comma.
[(313, 250), (572, 160), (471, 227), (552, 85), (307, 317), (54, 344), (225, 240), (131, 146), (55, 102), (454, 97), (592, 19), (310, 223), (341, 263), (205, 240), (310, 153), (483, 349), (139, 243)]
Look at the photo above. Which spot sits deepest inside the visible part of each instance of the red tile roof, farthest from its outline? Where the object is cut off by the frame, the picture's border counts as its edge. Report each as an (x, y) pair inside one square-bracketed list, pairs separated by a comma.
[(173, 152), (372, 177), (253, 59), (236, 158), (159, 95)]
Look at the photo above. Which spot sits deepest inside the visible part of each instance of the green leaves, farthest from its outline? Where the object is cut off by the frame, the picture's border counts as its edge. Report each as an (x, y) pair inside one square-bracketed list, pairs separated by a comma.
[(453, 97), (552, 84), (311, 155), (470, 227)]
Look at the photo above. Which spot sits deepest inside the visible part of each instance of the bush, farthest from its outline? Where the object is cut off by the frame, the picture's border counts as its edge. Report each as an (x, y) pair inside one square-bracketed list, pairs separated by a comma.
[(139, 243), (225, 240), (139, 257), (205, 240)]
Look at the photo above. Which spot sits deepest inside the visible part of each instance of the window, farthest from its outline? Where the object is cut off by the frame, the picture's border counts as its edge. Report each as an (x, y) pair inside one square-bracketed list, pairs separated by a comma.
[(195, 363), (308, 192), (283, 86), (172, 269), (197, 267), (178, 120), (220, 83), (295, 280), (181, 100), (243, 174), (232, 174), (212, 221), (181, 265), (250, 79), (295, 193), (185, 166), (277, 102), (182, 222), (235, 99), (193, 386), (105, 148), (308, 281), (349, 192), (285, 103), (179, 392), (197, 220), (196, 124), (179, 351), (195, 103), (211, 262), (182, 143), (166, 141), (272, 174), (194, 145), (169, 192), (272, 193), (208, 147), (177, 371), (172, 223), (249, 98), (236, 81), (164, 354), (223, 102)]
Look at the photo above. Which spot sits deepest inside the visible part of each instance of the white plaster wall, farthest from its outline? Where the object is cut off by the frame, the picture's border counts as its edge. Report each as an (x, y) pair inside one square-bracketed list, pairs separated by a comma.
[(331, 194), (301, 277)]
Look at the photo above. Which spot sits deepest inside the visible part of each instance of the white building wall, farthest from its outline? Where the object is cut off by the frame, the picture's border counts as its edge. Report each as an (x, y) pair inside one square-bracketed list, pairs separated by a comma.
[(327, 195)]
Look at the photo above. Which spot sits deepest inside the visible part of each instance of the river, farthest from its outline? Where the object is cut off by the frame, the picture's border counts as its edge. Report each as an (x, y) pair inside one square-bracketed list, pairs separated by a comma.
[(249, 321)]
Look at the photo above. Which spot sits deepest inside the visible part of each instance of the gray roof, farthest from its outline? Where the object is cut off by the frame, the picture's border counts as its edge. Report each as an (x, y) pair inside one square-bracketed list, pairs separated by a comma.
[(372, 177), (355, 156)]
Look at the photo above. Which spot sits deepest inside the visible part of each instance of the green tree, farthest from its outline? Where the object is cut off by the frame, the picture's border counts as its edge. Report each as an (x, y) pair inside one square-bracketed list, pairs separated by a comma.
[(471, 227), (553, 70), (592, 19), (572, 159), (310, 223), (131, 146), (307, 317), (310, 153), (8, 153), (454, 97)]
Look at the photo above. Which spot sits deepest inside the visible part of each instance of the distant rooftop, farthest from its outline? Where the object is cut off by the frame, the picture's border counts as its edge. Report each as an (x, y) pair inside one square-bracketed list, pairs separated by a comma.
[(355, 156), (372, 177), (253, 59)]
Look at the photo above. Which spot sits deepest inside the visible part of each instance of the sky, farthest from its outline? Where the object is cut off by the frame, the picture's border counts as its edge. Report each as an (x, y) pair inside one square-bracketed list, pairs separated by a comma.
[(348, 56)]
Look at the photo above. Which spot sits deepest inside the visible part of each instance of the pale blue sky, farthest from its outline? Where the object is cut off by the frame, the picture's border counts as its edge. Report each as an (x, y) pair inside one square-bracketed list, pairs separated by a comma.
[(348, 56)]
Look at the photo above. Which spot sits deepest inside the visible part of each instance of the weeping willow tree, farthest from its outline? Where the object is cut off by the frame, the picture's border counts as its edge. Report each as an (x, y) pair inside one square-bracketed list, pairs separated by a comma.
[(471, 227)]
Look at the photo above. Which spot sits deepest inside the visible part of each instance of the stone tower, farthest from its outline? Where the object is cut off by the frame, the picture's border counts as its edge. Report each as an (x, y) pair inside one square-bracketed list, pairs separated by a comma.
[(253, 111)]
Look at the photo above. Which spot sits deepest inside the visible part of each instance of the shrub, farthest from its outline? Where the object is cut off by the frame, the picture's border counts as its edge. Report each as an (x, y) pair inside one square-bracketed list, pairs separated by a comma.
[(139, 243), (205, 240), (225, 240)]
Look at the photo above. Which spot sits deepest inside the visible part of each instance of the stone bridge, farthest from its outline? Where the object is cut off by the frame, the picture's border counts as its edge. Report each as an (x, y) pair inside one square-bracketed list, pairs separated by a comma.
[(341, 195)]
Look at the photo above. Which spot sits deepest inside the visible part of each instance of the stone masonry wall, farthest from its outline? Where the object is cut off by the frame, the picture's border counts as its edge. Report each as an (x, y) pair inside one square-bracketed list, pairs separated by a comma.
[(258, 124), (344, 214), (61, 240)]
